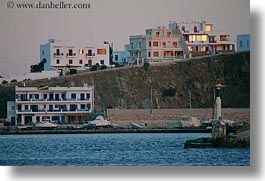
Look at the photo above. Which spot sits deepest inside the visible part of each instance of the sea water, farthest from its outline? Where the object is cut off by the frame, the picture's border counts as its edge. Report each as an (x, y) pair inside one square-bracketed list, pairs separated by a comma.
[(115, 150)]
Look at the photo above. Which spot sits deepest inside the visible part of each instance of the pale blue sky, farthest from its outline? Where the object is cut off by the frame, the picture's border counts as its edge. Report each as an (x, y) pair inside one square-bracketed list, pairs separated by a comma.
[(23, 30)]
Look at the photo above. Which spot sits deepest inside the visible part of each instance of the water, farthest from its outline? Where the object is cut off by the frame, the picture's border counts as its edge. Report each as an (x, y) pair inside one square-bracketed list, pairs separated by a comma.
[(114, 150)]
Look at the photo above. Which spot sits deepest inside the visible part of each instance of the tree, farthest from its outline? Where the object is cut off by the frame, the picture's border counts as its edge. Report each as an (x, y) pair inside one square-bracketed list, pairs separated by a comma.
[(4, 82), (103, 67), (14, 80)]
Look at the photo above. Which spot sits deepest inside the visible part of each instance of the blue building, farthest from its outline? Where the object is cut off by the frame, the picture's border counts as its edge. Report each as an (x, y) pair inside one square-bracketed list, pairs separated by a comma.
[(243, 42), (121, 57)]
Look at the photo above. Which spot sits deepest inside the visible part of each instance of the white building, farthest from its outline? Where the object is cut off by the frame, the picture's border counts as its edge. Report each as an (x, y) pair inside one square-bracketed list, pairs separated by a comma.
[(157, 45), (59, 55), (201, 37), (62, 104)]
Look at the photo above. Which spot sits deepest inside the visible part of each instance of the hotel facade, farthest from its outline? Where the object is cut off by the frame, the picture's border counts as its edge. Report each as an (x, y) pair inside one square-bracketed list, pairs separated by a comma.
[(61, 104), (157, 45), (58, 55), (201, 37)]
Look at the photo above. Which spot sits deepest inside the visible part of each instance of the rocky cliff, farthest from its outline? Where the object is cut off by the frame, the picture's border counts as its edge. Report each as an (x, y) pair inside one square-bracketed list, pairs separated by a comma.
[(130, 87)]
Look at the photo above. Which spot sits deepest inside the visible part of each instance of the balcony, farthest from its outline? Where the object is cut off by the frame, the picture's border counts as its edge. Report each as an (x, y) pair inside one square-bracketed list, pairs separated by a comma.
[(58, 54), (70, 54), (90, 54), (52, 100), (55, 110)]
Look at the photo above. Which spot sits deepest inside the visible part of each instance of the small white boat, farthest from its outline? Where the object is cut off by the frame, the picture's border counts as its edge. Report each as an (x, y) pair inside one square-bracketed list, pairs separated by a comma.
[(100, 122), (135, 126), (46, 125)]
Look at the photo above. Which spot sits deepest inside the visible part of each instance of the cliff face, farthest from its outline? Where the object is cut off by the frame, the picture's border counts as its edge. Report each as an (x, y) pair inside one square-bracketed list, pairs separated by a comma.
[(130, 87)]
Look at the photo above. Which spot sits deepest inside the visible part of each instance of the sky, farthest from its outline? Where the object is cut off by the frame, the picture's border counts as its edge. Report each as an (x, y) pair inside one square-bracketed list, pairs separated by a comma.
[(23, 30)]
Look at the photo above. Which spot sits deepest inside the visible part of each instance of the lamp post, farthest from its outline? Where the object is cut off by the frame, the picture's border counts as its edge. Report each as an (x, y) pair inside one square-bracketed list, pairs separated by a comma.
[(151, 100), (189, 97)]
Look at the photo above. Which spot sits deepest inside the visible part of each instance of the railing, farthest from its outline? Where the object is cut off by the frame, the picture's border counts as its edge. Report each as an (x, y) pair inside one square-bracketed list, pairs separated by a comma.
[(57, 110), (58, 54), (45, 100), (90, 54), (70, 54)]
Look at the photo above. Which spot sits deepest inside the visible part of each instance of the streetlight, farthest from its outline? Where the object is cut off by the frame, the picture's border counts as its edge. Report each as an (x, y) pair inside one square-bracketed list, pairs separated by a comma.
[(151, 99), (189, 97)]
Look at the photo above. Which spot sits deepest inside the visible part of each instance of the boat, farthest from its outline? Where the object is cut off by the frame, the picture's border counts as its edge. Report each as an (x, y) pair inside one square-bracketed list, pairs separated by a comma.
[(100, 122), (25, 127), (135, 126), (46, 125)]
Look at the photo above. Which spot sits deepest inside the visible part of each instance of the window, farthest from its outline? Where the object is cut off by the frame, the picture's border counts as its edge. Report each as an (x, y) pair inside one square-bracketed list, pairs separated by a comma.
[(73, 95), (80, 61), (70, 52), (155, 44), (26, 107), (87, 96), (58, 61), (102, 62), (183, 28), (149, 54), (150, 43), (208, 27), (157, 34), (82, 106), (116, 57), (204, 38), (89, 62), (81, 51), (164, 44), (195, 28), (192, 38), (224, 38), (102, 51), (240, 43), (156, 54), (199, 38), (57, 51), (42, 52), (70, 61), (175, 44), (89, 53), (168, 34)]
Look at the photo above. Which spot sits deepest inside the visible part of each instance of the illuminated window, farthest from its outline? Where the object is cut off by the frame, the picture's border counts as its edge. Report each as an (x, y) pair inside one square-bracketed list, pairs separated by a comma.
[(156, 54), (208, 27), (189, 48), (155, 44), (102, 51), (204, 38), (199, 38), (192, 38), (224, 38), (80, 61), (70, 61), (202, 49), (81, 51)]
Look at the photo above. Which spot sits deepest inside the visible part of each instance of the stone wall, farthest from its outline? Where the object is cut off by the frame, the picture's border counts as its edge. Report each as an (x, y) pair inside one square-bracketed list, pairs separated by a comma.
[(129, 87)]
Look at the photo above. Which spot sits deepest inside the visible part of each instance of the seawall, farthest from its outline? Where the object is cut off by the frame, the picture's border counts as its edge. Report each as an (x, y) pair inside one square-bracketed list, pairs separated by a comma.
[(129, 87)]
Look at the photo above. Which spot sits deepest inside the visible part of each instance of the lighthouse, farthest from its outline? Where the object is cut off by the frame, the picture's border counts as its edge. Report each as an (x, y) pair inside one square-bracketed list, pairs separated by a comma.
[(219, 127), (218, 103)]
